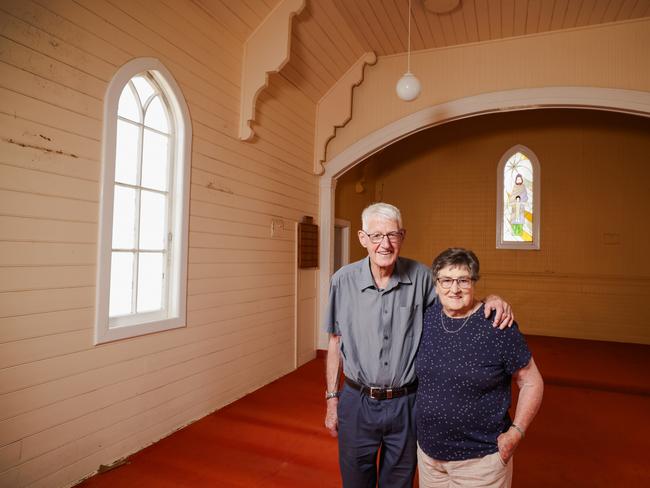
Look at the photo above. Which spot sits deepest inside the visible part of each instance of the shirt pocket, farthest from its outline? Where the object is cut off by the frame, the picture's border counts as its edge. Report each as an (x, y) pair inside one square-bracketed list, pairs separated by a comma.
[(404, 325)]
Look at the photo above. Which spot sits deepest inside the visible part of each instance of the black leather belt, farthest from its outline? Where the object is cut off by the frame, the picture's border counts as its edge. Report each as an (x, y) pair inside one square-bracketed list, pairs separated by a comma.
[(379, 393)]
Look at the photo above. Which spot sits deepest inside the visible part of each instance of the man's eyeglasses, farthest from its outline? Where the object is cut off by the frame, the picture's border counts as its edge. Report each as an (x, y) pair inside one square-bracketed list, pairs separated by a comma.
[(393, 237), (463, 283)]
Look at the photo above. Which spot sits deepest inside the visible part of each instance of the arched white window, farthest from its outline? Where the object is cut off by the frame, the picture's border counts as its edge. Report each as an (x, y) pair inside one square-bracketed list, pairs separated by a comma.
[(518, 199), (142, 270)]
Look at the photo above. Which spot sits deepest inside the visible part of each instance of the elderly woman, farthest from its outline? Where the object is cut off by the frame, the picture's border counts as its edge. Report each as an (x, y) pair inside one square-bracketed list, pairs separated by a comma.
[(464, 367)]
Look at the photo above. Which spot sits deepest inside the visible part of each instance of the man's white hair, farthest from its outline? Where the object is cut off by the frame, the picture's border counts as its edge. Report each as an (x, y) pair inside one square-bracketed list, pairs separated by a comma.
[(384, 210)]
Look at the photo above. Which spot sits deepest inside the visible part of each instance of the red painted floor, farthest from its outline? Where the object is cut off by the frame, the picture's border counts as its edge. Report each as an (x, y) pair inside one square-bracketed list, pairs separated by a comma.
[(592, 431)]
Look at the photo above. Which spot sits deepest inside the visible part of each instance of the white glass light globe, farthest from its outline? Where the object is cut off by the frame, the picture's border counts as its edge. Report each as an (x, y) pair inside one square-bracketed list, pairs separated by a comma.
[(408, 87)]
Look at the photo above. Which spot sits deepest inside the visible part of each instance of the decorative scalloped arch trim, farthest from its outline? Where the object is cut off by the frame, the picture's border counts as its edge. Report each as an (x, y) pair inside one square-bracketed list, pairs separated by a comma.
[(266, 51), (334, 110), (626, 101)]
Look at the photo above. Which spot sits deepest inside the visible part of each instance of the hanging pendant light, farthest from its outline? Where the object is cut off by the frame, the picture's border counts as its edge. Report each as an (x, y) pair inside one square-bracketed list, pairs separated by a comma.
[(408, 87)]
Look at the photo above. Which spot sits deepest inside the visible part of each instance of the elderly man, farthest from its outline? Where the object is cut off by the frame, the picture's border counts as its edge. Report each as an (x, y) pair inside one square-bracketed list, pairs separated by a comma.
[(374, 322)]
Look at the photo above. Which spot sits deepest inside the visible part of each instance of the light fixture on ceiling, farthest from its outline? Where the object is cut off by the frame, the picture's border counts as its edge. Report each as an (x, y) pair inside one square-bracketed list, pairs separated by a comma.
[(408, 87), (441, 6)]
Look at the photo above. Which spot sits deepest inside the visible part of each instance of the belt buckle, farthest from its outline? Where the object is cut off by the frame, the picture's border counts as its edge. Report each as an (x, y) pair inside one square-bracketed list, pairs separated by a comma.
[(375, 393)]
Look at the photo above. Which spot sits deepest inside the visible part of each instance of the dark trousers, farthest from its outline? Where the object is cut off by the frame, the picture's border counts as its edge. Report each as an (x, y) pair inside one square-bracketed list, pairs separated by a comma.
[(368, 426)]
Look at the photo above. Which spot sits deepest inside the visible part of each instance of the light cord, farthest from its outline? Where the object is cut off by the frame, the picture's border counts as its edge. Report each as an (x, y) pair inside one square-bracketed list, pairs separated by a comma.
[(408, 56)]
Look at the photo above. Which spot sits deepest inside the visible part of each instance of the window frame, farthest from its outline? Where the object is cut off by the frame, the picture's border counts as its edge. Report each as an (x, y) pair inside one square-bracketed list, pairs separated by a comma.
[(532, 157), (173, 314)]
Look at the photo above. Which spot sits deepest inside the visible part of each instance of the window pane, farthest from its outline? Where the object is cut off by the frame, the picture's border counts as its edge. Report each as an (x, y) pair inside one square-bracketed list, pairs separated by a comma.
[(143, 87), (121, 284), (518, 199), (150, 282), (155, 160), (124, 212), (129, 106), (126, 152), (152, 220), (156, 116)]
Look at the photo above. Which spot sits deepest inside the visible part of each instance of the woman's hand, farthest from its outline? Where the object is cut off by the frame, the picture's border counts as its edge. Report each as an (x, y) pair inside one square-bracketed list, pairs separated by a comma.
[(531, 390), (503, 317), (508, 442)]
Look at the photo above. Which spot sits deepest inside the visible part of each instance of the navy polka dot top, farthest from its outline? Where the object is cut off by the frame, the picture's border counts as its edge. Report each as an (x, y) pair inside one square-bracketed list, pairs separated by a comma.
[(464, 375)]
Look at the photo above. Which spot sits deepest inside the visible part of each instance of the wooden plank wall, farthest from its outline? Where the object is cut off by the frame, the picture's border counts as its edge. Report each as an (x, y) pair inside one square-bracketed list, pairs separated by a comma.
[(67, 406)]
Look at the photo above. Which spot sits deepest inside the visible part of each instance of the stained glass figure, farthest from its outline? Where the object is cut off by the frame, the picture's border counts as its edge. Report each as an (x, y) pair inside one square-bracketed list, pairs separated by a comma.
[(518, 208)]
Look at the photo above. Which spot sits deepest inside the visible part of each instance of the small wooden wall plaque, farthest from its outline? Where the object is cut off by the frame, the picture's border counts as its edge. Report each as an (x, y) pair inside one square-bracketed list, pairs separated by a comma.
[(307, 245)]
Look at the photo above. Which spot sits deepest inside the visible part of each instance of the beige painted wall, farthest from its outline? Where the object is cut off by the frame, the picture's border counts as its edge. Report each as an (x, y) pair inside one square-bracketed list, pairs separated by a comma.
[(605, 56), (67, 406), (591, 277)]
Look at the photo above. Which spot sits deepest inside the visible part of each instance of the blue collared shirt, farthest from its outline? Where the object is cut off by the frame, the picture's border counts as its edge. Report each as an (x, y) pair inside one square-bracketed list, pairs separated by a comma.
[(380, 329)]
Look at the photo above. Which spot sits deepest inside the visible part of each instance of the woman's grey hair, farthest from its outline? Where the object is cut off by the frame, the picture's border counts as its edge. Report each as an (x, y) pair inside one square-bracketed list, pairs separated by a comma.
[(456, 257), (385, 210)]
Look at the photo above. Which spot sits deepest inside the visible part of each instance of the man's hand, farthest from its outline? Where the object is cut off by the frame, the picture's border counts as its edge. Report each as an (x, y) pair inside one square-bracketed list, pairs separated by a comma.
[(331, 417), (503, 317), (508, 442), (332, 372)]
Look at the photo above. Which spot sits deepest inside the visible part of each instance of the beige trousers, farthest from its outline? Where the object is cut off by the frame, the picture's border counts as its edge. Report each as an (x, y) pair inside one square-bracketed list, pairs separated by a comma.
[(486, 472)]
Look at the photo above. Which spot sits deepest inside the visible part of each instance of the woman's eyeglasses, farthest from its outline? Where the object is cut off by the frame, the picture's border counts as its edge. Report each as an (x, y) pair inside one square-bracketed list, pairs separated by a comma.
[(463, 283)]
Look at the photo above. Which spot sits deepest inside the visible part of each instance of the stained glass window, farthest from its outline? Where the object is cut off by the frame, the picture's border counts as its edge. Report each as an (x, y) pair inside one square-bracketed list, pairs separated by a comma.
[(518, 205)]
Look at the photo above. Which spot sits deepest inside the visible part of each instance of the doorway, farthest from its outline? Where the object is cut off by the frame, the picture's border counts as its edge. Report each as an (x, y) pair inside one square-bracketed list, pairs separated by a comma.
[(341, 243)]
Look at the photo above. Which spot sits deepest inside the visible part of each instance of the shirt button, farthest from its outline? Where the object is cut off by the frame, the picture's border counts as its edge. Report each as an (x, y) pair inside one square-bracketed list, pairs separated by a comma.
[(385, 363), (385, 311), (385, 338)]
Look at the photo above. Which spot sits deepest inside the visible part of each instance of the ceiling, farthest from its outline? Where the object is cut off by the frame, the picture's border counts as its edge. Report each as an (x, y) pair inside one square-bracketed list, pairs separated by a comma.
[(328, 36)]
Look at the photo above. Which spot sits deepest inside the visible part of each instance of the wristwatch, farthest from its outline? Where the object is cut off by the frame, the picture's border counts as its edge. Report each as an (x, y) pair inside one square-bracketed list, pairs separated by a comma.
[(331, 394)]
